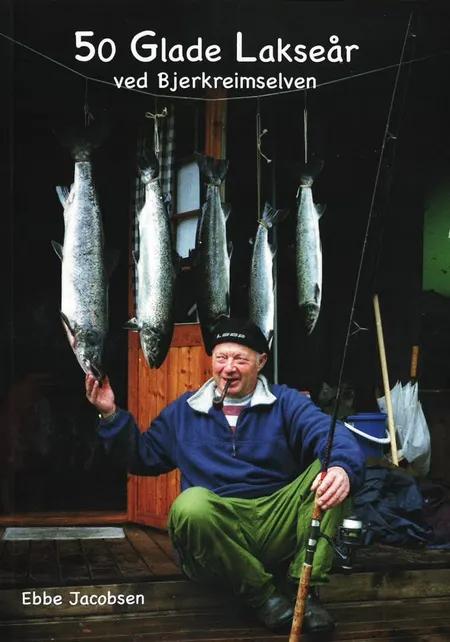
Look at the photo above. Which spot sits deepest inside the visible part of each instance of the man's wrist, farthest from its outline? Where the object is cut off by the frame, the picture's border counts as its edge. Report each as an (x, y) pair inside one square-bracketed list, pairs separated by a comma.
[(107, 416)]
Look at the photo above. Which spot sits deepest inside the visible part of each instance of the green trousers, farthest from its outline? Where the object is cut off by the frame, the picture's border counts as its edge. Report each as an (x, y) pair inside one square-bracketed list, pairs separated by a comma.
[(242, 543)]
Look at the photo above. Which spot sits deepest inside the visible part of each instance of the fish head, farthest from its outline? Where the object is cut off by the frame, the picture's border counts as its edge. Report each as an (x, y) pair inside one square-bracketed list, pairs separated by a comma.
[(87, 345), (153, 346), (310, 312), (89, 351)]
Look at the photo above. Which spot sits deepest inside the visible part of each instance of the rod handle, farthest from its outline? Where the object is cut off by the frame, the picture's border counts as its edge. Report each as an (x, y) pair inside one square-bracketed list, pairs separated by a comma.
[(300, 604), (305, 578), (414, 361)]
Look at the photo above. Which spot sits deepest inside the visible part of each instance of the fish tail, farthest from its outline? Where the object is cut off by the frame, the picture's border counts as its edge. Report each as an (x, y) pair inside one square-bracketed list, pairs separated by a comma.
[(80, 149), (82, 141), (213, 170), (270, 216), (148, 166), (310, 172)]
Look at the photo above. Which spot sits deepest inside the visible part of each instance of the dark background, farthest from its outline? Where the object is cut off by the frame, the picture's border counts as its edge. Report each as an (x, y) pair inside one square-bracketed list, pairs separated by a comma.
[(48, 429)]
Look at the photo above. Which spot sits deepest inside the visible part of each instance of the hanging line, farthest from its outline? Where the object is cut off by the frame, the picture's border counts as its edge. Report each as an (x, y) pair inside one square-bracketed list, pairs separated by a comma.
[(156, 137), (305, 126), (329, 445), (259, 154), (88, 117), (223, 98), (258, 162)]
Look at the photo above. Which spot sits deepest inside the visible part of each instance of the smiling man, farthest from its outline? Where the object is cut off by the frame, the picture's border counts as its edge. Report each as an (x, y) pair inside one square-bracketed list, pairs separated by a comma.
[(249, 455)]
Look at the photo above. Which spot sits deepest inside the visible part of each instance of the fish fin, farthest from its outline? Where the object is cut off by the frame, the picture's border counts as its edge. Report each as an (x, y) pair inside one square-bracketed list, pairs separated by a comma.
[(230, 249), (66, 321), (111, 260), (270, 338), (58, 249), (226, 209), (198, 231), (133, 325), (310, 172), (69, 330), (320, 209), (213, 170), (177, 261), (271, 216), (148, 166), (251, 241), (63, 194)]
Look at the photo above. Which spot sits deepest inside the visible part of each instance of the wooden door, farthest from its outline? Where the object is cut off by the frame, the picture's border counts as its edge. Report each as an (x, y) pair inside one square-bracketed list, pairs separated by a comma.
[(186, 367)]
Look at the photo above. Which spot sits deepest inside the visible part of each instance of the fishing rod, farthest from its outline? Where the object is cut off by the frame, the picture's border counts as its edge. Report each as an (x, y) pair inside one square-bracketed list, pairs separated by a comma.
[(316, 518)]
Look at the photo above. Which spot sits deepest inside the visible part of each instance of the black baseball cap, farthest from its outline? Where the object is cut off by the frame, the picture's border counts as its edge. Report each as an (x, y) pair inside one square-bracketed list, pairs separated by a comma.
[(241, 331)]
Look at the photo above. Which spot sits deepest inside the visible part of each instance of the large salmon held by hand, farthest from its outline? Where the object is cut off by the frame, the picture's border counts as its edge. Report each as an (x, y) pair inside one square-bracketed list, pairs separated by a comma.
[(84, 288), (308, 248)]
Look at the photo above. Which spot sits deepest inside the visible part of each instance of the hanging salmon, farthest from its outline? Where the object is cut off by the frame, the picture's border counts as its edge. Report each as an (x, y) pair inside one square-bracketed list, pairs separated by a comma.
[(261, 291), (212, 256), (84, 283), (155, 269), (308, 248)]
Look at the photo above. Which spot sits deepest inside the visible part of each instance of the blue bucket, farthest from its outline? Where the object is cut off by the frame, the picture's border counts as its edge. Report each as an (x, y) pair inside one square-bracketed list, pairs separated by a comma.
[(370, 430)]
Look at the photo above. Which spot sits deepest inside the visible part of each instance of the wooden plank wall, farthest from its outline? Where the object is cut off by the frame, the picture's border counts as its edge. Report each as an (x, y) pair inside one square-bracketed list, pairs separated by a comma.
[(186, 367)]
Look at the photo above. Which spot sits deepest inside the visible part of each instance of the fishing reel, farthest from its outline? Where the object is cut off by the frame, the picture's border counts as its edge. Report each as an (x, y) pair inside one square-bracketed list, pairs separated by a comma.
[(349, 537)]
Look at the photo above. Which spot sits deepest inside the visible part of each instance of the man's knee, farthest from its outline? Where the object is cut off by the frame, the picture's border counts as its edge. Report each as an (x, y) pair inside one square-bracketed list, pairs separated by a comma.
[(192, 506)]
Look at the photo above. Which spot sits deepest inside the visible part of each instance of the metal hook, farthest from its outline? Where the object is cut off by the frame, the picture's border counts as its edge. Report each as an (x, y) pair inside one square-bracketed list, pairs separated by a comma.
[(358, 328), (266, 158)]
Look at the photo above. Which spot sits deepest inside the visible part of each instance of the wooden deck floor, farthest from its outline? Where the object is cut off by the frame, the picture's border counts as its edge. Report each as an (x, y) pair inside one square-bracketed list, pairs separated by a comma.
[(426, 620), (392, 594), (144, 555)]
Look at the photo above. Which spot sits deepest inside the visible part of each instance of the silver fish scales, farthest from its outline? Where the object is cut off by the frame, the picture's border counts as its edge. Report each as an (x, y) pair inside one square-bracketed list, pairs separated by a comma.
[(156, 272), (261, 290), (212, 263), (308, 249), (84, 287)]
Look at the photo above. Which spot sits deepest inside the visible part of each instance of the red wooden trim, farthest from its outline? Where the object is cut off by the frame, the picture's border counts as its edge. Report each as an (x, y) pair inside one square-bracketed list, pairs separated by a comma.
[(157, 521), (216, 115), (59, 519), (186, 335), (182, 216)]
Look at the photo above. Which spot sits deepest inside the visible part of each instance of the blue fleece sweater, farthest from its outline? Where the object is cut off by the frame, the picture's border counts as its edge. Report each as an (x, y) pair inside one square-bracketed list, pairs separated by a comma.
[(276, 438)]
